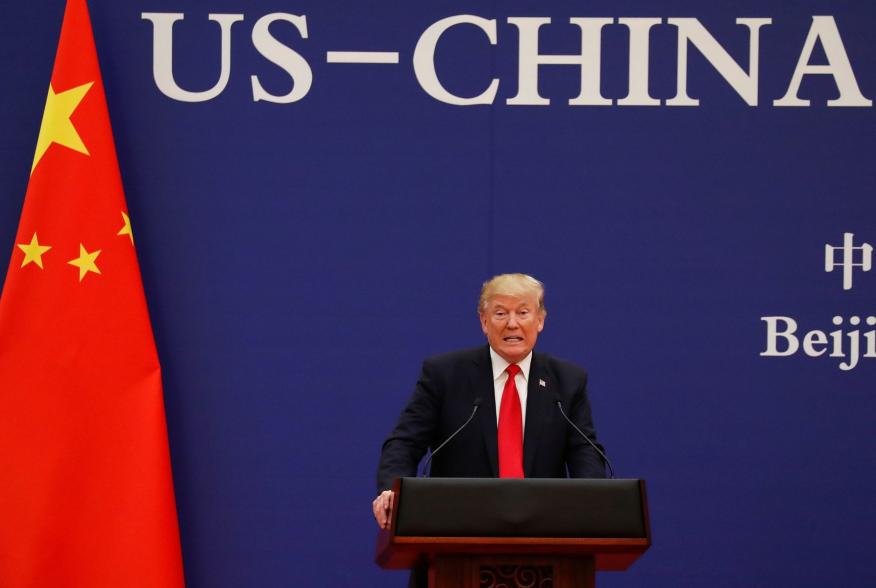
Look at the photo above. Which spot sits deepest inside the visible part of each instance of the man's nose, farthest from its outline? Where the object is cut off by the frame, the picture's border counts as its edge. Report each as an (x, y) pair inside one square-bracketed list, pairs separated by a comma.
[(512, 320)]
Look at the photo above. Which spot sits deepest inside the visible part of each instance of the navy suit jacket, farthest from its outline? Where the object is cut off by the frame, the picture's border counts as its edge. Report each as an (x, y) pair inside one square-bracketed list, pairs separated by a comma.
[(444, 398)]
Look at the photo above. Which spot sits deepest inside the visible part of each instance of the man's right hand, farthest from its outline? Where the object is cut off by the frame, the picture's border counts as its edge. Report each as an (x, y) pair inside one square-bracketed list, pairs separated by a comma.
[(382, 507)]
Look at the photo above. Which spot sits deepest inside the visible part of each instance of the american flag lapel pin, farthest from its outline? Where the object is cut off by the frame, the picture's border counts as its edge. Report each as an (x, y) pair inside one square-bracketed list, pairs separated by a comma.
[(542, 383)]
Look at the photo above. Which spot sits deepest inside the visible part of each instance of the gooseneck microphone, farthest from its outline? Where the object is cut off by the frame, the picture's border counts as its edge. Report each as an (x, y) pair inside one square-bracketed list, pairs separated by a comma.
[(475, 406), (580, 432)]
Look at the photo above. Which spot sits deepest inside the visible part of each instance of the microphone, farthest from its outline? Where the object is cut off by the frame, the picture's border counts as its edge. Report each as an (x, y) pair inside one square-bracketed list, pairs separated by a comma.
[(580, 432), (475, 406)]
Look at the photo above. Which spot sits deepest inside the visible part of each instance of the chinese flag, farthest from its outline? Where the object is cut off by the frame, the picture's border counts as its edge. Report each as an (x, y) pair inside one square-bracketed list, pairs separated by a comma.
[(86, 495)]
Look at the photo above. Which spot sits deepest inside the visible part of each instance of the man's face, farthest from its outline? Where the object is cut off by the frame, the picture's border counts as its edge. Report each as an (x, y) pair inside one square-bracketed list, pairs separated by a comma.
[(512, 325)]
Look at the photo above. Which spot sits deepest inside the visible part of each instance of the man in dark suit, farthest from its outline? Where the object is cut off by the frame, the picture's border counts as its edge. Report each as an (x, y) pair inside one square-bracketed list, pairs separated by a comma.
[(518, 430)]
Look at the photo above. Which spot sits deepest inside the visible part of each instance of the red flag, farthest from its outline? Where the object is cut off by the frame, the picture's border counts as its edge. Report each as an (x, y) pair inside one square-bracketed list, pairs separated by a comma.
[(86, 495)]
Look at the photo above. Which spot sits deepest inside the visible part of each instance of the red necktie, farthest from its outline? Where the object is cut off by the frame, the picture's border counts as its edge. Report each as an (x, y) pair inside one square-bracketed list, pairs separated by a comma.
[(510, 429)]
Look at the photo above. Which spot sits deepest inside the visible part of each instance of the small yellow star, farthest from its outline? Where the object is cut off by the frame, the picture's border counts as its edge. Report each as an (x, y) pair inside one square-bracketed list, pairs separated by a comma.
[(126, 229), (85, 262), (33, 251), (57, 126)]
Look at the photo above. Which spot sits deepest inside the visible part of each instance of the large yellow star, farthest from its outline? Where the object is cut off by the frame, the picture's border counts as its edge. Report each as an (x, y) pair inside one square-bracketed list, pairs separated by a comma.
[(85, 262), (33, 251), (126, 229), (57, 126)]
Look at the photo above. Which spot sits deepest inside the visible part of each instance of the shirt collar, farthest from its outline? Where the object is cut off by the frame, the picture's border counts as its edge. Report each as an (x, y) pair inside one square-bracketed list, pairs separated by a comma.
[(499, 365)]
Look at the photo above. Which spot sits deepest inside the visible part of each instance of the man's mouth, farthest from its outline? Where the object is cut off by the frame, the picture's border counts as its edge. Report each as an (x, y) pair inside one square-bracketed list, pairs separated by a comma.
[(512, 339)]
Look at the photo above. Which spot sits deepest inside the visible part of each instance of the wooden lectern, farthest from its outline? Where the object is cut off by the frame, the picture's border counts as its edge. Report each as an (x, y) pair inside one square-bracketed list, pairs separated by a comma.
[(532, 533)]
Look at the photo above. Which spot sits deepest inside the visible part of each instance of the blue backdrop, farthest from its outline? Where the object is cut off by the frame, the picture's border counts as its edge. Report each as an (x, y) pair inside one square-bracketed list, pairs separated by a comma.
[(301, 259)]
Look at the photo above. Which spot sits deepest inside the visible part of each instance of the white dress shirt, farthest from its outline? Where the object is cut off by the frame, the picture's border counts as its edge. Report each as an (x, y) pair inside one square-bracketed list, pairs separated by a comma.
[(500, 376)]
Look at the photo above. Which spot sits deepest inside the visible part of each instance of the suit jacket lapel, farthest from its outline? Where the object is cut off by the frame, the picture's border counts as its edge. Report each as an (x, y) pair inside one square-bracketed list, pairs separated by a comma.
[(538, 403), (482, 383)]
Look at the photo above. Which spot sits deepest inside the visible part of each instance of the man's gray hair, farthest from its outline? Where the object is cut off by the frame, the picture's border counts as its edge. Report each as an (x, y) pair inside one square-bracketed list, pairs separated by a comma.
[(518, 285)]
